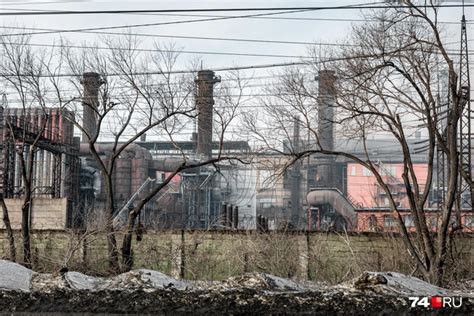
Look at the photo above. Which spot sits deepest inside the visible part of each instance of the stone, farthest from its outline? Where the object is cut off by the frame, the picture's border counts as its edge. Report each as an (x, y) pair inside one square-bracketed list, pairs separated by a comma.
[(14, 277)]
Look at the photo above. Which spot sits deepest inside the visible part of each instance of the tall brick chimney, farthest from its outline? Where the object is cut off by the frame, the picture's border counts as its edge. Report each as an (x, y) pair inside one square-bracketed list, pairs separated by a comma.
[(91, 82), (204, 102)]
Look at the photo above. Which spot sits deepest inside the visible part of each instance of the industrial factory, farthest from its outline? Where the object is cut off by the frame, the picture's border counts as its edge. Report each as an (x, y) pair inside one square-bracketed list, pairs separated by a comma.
[(319, 193), (67, 184)]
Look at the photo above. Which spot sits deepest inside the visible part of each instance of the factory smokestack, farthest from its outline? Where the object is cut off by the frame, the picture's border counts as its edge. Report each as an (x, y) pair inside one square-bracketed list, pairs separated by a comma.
[(326, 102), (90, 100), (204, 102)]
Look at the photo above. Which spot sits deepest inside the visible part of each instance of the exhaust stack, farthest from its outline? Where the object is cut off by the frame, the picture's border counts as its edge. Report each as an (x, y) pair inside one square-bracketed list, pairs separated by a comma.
[(90, 101), (204, 102), (326, 103)]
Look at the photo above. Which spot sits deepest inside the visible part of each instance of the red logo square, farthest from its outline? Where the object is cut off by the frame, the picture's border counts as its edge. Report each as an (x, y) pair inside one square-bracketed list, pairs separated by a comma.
[(436, 302)]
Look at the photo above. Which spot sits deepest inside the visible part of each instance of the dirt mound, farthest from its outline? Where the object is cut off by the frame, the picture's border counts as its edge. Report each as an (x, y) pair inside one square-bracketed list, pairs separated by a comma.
[(147, 291), (263, 281)]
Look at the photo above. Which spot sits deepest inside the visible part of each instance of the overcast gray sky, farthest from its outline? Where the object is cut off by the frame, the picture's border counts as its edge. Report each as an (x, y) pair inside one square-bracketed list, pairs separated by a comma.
[(327, 26), (324, 26)]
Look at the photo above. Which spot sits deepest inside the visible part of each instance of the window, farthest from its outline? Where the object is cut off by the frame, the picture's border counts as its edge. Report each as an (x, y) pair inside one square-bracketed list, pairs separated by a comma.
[(408, 220), (266, 179), (366, 172), (388, 170), (389, 221), (266, 202), (372, 223), (469, 220), (353, 171), (453, 221), (160, 176)]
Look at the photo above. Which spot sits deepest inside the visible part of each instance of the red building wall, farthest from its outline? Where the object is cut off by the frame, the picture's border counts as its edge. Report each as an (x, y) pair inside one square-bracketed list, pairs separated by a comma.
[(385, 221), (363, 188)]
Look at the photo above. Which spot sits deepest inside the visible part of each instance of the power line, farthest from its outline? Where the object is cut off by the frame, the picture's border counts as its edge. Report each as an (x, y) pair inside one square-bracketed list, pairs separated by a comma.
[(165, 50), (292, 18), (158, 72), (452, 51), (151, 24), (308, 19), (182, 37), (246, 9), (43, 2), (164, 23), (247, 86), (248, 67), (213, 18)]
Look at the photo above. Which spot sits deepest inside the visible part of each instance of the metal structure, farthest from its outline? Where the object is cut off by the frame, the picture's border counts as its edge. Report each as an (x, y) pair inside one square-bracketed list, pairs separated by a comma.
[(465, 196), (48, 134), (120, 218)]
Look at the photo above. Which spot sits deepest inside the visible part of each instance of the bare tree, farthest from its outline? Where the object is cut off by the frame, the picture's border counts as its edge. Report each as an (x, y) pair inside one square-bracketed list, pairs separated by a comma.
[(133, 102), (225, 112), (8, 228), (387, 84), (21, 71), (5, 215)]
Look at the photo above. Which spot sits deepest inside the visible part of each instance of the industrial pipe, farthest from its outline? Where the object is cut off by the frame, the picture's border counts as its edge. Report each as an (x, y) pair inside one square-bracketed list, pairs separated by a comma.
[(337, 200)]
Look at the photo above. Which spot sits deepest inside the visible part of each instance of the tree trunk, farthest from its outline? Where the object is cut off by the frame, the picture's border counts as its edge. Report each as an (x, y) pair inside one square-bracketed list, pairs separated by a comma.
[(25, 230), (8, 228), (112, 245), (111, 240), (127, 255), (112, 248), (435, 274)]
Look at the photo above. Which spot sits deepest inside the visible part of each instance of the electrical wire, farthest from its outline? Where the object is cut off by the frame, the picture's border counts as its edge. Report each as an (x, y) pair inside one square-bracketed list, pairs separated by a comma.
[(381, 5), (151, 24), (247, 67), (249, 40), (308, 19), (163, 50), (43, 2)]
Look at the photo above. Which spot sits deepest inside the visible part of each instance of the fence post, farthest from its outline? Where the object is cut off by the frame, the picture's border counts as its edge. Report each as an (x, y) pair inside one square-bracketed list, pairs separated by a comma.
[(303, 256), (178, 255)]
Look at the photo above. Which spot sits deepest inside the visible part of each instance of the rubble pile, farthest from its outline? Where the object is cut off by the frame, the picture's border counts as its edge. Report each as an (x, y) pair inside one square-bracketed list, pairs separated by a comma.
[(148, 291)]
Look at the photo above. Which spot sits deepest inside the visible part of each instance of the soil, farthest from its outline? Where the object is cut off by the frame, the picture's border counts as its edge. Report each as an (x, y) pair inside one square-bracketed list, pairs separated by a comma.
[(151, 292)]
